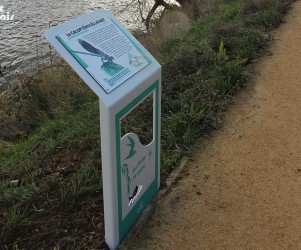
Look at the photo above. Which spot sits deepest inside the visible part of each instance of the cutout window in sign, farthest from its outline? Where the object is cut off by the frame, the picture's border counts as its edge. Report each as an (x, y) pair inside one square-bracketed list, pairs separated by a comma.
[(105, 52)]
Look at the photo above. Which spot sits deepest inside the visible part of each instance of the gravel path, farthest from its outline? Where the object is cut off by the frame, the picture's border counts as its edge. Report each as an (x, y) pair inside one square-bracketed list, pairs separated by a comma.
[(243, 190)]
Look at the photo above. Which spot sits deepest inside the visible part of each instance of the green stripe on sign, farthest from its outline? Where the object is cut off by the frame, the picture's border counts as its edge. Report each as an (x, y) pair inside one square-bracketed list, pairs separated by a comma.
[(81, 61)]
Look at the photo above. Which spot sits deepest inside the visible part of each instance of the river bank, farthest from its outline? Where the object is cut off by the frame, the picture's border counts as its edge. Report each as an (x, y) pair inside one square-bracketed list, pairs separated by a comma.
[(50, 191)]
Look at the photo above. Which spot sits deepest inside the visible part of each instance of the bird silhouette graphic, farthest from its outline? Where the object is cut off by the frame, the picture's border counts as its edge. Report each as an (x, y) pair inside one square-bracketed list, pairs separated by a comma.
[(132, 148)]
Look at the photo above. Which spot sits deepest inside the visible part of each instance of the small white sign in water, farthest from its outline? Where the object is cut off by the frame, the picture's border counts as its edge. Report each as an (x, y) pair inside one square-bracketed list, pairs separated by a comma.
[(123, 74)]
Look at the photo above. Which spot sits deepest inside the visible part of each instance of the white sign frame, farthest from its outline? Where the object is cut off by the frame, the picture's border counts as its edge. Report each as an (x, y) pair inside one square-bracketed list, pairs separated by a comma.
[(114, 106)]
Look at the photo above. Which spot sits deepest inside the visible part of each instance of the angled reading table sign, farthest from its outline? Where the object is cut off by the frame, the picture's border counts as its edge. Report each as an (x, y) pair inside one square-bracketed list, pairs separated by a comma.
[(123, 74)]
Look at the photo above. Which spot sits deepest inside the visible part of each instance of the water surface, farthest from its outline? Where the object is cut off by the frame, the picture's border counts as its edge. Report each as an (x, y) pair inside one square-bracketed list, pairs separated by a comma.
[(22, 42)]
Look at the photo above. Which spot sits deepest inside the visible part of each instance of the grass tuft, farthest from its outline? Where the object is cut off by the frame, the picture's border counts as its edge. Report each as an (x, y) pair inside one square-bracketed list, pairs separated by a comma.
[(12, 220)]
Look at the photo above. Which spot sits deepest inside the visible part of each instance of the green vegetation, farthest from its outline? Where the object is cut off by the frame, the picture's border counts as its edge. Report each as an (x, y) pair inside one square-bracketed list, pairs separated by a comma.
[(50, 171)]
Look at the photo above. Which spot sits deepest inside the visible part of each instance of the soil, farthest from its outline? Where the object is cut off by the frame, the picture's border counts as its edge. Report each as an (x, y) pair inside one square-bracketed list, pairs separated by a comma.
[(243, 189)]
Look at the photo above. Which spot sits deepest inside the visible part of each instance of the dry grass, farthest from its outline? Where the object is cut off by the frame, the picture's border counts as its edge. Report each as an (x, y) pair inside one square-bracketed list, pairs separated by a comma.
[(199, 7), (174, 24), (256, 5), (51, 93), (261, 3)]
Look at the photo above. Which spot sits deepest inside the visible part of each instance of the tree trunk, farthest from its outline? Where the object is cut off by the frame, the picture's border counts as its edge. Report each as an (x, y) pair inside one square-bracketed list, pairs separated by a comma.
[(152, 11)]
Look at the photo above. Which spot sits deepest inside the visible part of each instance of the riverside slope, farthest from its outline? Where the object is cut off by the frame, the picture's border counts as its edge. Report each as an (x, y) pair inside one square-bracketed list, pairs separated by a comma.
[(243, 191)]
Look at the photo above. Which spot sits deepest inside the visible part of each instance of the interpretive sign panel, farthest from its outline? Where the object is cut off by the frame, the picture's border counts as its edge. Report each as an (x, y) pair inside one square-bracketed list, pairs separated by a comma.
[(108, 55), (124, 75)]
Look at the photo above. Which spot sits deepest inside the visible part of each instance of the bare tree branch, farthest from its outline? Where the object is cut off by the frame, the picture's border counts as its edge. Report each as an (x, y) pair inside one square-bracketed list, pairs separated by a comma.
[(140, 5)]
